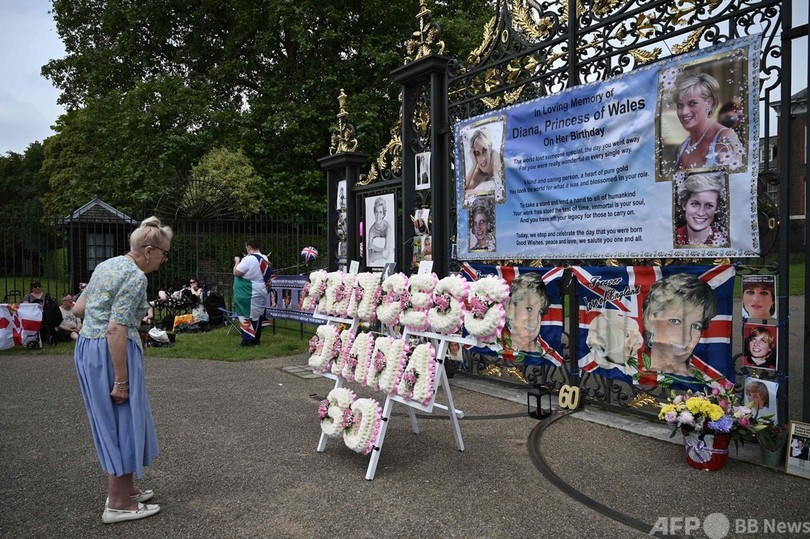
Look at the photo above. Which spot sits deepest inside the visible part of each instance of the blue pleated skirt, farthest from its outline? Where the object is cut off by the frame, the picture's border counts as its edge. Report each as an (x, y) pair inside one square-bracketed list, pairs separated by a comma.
[(124, 434)]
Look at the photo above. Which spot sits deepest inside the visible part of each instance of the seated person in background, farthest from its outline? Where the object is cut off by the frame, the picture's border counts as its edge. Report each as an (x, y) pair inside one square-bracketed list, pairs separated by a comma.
[(195, 288), (146, 325), (71, 324), (35, 294)]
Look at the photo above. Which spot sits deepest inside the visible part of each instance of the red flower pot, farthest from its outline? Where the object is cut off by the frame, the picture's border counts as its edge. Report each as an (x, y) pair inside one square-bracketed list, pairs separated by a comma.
[(706, 451)]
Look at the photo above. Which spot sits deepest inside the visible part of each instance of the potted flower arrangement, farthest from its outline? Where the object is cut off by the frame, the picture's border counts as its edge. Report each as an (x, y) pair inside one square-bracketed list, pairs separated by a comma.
[(772, 438), (708, 422)]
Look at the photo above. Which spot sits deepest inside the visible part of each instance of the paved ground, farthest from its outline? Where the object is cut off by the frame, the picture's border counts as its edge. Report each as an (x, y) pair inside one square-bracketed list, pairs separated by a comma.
[(238, 460)]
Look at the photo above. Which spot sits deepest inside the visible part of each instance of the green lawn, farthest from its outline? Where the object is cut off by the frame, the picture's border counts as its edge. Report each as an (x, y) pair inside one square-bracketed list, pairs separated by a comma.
[(214, 344)]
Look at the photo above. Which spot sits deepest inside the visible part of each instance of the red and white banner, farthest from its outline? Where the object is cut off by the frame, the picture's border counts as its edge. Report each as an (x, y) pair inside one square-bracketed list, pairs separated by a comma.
[(19, 324)]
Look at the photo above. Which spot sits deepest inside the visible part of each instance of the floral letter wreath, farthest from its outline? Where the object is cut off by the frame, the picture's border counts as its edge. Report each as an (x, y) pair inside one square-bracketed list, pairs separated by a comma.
[(334, 411), (485, 318), (449, 297), (334, 287), (366, 295), (359, 355), (343, 296), (361, 435), (393, 288), (420, 293), (324, 347), (386, 365), (418, 380), (314, 290), (346, 340)]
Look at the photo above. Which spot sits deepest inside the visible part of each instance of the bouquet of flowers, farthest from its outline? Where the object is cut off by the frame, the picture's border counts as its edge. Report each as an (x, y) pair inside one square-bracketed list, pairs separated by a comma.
[(715, 412)]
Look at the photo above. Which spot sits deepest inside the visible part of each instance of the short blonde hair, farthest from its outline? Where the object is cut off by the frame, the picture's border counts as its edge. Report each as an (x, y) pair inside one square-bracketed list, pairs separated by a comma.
[(707, 85), (149, 231)]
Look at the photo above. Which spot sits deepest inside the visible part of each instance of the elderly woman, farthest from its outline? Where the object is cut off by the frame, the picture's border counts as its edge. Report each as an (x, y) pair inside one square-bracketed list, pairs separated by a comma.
[(676, 311), (760, 349), (481, 227), (709, 142), (701, 200), (485, 176), (110, 366), (528, 302)]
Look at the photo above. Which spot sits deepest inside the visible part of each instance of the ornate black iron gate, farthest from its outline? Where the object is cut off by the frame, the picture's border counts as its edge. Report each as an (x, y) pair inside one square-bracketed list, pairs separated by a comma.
[(534, 48)]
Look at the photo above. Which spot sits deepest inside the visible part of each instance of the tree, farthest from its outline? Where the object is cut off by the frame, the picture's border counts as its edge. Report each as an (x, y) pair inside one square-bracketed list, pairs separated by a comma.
[(229, 174), (152, 87)]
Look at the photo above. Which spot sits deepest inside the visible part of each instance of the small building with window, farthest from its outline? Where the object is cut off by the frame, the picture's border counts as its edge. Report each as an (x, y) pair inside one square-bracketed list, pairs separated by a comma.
[(94, 233)]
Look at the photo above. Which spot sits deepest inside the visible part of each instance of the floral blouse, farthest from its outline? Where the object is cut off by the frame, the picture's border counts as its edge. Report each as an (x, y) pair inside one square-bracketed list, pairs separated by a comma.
[(116, 293)]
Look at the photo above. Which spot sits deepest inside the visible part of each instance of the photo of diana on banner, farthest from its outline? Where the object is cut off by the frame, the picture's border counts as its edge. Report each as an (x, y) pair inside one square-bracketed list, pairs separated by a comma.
[(606, 169)]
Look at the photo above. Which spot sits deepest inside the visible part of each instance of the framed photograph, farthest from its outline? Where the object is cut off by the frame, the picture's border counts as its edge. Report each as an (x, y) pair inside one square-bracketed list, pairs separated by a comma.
[(702, 115), (761, 394), (482, 225), (700, 207), (796, 461), (421, 221), (483, 166), (760, 348), (422, 171), (340, 201), (759, 297), (381, 233)]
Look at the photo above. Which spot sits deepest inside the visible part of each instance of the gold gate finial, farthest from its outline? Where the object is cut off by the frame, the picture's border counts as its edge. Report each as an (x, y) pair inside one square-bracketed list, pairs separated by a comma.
[(343, 136), (422, 41)]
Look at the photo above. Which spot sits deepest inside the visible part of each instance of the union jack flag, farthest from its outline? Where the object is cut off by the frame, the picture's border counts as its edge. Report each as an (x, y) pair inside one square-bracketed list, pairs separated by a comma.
[(549, 341), (308, 254), (614, 297)]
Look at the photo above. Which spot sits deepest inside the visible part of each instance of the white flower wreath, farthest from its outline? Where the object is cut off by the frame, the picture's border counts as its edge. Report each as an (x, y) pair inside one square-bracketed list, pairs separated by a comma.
[(346, 341), (366, 295), (486, 315), (450, 297), (324, 347), (393, 288), (362, 434), (314, 290), (332, 411), (387, 364), (359, 355), (418, 382), (343, 295), (363, 363), (334, 283), (419, 300)]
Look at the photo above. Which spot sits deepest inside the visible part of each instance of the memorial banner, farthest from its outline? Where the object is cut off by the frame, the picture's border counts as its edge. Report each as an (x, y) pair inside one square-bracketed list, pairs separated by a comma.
[(533, 330), (666, 326), (660, 162), (284, 301)]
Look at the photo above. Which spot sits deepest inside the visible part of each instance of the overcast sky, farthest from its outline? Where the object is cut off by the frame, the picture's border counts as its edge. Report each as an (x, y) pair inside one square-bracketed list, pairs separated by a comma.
[(28, 40)]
